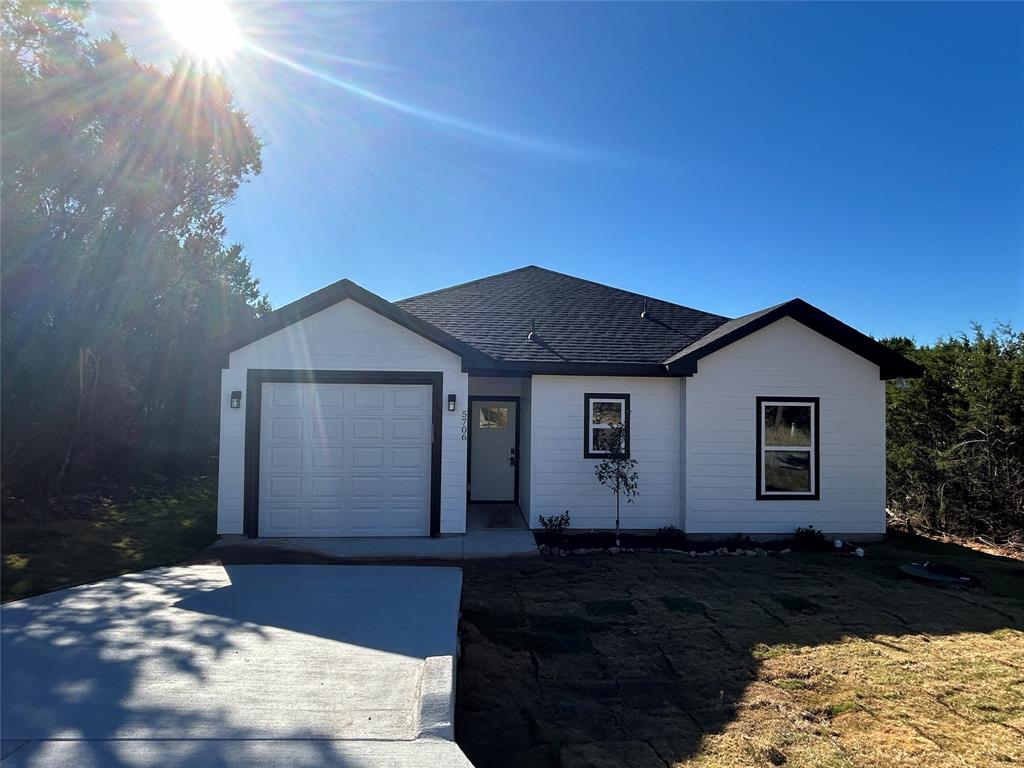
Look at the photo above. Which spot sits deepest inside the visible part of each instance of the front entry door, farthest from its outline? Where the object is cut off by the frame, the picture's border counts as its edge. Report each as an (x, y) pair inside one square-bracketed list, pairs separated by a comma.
[(493, 427)]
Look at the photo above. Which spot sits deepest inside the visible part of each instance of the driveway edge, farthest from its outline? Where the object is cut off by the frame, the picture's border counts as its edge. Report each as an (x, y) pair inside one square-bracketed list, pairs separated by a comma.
[(436, 701)]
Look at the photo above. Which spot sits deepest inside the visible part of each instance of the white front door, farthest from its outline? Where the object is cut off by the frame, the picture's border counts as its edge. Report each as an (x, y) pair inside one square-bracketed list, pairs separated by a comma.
[(345, 460), (493, 450)]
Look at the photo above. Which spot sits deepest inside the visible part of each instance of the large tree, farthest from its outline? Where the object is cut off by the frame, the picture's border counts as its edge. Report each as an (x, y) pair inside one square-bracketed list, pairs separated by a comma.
[(115, 269), (956, 435)]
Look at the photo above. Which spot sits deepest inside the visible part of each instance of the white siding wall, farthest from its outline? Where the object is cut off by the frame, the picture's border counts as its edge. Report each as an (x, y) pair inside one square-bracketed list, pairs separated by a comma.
[(346, 337), (784, 359), (561, 479)]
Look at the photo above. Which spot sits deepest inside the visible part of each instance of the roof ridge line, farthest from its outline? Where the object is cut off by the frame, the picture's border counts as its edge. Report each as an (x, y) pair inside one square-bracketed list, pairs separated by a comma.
[(572, 277), (631, 293), (468, 282)]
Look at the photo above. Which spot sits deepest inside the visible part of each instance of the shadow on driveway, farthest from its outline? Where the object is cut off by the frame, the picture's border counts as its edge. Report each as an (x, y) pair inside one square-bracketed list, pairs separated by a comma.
[(219, 661)]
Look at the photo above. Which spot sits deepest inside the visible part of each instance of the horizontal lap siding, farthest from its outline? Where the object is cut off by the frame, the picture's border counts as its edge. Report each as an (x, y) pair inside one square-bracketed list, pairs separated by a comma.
[(561, 479), (344, 337), (786, 359)]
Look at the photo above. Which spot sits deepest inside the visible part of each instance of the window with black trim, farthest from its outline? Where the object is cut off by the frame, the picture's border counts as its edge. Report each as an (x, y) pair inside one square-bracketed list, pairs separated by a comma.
[(602, 414), (787, 448)]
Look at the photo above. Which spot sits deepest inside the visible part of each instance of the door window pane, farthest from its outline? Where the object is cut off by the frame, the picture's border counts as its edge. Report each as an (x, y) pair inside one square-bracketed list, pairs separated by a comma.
[(493, 417)]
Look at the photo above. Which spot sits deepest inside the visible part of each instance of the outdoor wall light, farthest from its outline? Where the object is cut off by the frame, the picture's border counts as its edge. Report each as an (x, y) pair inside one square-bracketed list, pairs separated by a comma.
[(236, 399), (451, 402)]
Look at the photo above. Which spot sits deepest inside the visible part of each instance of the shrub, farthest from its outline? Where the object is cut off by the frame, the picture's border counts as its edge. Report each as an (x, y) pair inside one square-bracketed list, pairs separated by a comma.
[(809, 538), (670, 535), (555, 523)]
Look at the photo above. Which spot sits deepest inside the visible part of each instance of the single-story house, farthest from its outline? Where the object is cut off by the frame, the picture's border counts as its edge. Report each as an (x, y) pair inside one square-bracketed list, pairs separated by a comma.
[(344, 414)]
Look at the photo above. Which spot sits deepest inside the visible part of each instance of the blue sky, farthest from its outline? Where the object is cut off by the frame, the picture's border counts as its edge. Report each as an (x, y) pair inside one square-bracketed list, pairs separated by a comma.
[(868, 158)]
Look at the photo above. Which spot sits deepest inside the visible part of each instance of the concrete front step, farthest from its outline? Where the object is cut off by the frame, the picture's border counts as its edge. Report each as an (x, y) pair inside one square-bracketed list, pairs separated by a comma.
[(470, 546)]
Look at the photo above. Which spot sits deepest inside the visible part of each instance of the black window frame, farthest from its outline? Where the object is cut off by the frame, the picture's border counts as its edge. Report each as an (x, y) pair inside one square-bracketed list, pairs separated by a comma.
[(587, 398), (815, 449)]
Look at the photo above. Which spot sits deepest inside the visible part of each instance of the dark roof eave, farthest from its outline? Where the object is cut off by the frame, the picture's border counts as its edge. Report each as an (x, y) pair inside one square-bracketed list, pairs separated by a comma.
[(890, 364), (564, 368)]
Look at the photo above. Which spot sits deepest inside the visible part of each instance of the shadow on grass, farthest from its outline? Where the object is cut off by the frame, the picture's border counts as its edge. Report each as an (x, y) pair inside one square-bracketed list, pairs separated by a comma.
[(151, 528), (637, 659)]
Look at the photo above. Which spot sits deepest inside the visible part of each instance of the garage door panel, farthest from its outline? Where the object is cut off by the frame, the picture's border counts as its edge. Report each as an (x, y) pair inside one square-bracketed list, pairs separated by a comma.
[(364, 458), (323, 459), (327, 398), (407, 429), (345, 460), (409, 458), (284, 487), (370, 398), (368, 488), (328, 429), (404, 519), (407, 399), (405, 487), (365, 520), (326, 487), (280, 520), (326, 521), (368, 429), (285, 458), (285, 396), (285, 428)]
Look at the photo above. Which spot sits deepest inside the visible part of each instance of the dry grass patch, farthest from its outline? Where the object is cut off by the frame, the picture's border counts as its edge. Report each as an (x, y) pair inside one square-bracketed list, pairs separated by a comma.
[(798, 660)]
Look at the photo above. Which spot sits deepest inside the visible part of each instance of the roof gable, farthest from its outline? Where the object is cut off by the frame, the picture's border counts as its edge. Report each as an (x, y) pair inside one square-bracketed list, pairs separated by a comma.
[(331, 295), (891, 364)]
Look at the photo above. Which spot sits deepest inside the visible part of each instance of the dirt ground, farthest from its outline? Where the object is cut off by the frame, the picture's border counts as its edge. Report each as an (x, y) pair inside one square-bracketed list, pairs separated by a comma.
[(798, 659)]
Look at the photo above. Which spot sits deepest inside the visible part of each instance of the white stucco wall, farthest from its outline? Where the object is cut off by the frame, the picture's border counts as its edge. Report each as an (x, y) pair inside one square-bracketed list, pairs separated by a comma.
[(784, 359), (561, 479), (346, 337)]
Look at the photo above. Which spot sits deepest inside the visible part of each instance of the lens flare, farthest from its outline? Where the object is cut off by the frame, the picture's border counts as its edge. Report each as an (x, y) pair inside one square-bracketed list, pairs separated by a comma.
[(205, 28)]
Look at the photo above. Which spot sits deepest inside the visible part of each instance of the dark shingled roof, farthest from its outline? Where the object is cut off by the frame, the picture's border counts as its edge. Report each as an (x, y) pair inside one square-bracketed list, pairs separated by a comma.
[(579, 327), (575, 320)]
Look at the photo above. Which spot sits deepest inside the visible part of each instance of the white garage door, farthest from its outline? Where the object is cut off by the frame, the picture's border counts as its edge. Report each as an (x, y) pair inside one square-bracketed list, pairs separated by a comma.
[(345, 460)]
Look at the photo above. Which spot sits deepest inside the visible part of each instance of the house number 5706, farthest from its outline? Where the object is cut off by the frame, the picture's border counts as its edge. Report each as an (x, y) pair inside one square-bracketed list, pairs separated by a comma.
[(465, 424)]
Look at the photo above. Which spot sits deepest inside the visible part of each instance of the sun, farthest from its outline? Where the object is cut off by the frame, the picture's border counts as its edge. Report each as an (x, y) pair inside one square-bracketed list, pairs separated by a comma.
[(205, 28)]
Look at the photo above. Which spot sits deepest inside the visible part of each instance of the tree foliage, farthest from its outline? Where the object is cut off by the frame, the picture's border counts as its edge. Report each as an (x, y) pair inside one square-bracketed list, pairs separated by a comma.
[(115, 272), (956, 436)]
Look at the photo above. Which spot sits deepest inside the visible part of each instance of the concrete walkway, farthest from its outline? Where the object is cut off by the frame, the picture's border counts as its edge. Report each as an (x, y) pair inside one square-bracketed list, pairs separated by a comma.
[(471, 546), (249, 665)]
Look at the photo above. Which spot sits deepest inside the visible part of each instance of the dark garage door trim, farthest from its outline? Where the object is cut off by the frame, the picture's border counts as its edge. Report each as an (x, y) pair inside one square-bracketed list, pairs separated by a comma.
[(257, 377)]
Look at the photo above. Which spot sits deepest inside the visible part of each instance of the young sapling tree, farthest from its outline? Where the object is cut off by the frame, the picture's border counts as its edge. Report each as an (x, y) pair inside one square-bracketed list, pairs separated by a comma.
[(617, 472)]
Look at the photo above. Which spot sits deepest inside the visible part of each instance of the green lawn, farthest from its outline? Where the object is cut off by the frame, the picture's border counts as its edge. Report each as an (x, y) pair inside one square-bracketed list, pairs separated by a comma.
[(800, 660), (127, 530)]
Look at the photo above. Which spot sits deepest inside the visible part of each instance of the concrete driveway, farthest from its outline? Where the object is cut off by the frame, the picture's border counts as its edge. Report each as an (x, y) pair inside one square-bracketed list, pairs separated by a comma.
[(253, 665)]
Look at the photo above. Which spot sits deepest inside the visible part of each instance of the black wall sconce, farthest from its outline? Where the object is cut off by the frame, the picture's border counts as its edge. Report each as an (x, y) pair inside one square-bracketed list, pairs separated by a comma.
[(236, 399), (451, 402)]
